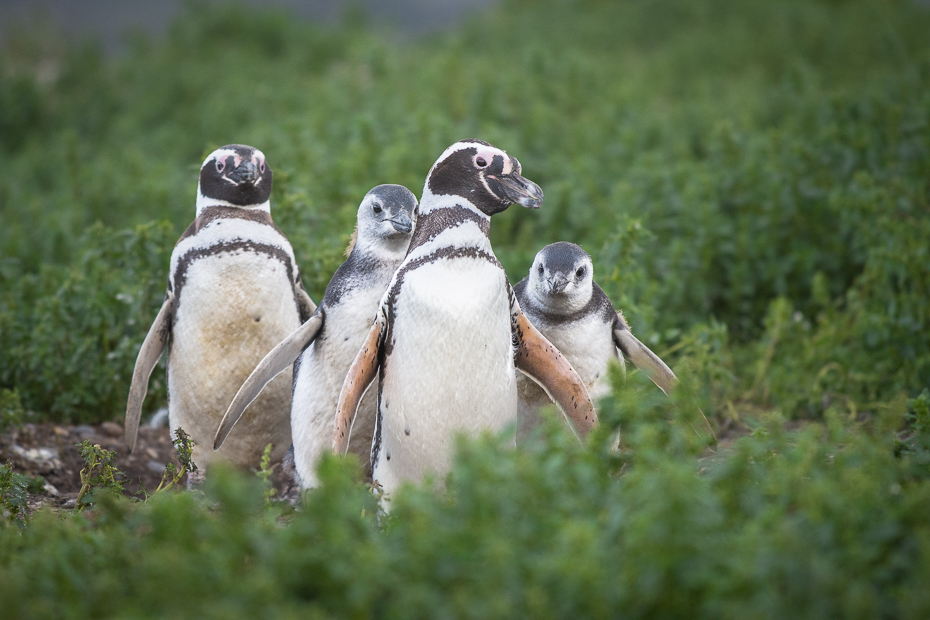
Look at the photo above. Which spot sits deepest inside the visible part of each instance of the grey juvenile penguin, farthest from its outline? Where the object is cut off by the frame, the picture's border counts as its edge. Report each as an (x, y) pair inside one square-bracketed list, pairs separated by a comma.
[(449, 332), (562, 300), (326, 344), (234, 291)]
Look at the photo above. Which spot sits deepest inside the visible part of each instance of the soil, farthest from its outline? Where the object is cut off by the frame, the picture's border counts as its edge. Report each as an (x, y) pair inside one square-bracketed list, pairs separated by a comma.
[(50, 451)]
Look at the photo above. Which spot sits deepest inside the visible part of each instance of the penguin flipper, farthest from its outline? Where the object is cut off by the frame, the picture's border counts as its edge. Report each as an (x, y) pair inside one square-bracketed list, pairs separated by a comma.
[(650, 363), (362, 372), (149, 354), (305, 305), (542, 362), (273, 364), (643, 358)]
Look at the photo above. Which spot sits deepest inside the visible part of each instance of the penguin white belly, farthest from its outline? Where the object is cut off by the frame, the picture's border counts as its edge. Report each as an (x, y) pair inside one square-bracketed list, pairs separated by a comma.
[(588, 346), (233, 308), (448, 369), (322, 370)]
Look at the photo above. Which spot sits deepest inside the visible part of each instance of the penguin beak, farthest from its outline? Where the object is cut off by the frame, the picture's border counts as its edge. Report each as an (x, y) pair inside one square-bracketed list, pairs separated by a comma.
[(556, 284), (401, 223), (246, 172), (516, 189)]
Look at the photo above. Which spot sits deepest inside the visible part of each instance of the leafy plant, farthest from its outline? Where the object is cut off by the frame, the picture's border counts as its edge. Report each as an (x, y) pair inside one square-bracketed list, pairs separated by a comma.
[(99, 474), (13, 495), (915, 441), (264, 474), (184, 447)]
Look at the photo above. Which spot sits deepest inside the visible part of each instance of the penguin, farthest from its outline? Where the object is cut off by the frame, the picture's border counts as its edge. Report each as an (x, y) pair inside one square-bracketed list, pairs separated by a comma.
[(326, 344), (449, 332), (562, 300), (234, 291)]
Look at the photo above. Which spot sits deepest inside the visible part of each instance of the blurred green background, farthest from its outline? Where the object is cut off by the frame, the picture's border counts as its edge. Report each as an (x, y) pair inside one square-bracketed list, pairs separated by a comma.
[(751, 177)]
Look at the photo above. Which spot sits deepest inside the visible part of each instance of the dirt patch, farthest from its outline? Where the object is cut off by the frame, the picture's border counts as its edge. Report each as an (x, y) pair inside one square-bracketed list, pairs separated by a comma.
[(50, 451)]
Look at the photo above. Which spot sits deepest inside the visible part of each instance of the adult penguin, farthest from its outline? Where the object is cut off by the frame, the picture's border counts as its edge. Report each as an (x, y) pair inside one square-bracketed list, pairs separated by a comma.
[(326, 344), (449, 331), (562, 300), (234, 291)]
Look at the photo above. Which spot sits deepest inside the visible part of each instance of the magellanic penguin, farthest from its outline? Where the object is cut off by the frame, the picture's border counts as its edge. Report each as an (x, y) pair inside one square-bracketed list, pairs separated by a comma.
[(234, 292), (326, 344), (562, 300), (449, 330)]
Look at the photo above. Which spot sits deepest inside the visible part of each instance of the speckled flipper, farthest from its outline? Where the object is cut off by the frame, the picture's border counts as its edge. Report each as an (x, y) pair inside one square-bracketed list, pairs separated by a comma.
[(152, 348), (274, 363), (362, 372), (643, 358), (541, 361)]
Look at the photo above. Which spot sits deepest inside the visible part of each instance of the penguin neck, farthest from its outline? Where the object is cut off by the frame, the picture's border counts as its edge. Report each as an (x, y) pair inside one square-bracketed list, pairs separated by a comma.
[(558, 306), (204, 202), (442, 213), (379, 250)]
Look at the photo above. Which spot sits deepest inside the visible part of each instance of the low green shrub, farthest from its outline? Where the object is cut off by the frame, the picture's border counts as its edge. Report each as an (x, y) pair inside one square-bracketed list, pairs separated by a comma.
[(12, 413), (828, 521), (70, 335), (14, 492)]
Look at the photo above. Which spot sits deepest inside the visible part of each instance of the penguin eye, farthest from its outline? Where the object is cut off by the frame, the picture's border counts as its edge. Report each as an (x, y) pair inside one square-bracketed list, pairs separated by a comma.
[(261, 168), (376, 208), (580, 271), (220, 165), (481, 162), (540, 270)]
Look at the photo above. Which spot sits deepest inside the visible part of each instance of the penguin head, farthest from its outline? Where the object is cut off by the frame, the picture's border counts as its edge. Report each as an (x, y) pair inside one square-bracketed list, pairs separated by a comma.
[(483, 174), (235, 175), (386, 219), (562, 278)]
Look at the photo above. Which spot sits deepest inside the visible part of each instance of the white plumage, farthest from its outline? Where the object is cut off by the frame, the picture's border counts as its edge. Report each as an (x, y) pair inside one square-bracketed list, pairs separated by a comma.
[(234, 291)]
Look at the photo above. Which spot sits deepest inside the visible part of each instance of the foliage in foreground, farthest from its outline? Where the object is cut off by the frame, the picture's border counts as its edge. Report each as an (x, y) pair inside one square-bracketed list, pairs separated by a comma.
[(826, 522), (750, 177)]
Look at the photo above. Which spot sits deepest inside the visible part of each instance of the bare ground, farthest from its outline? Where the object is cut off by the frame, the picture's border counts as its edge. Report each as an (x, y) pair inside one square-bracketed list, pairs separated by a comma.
[(50, 451)]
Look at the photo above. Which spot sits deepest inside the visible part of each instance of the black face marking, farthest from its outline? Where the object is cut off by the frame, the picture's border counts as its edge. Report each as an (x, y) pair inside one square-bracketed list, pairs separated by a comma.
[(248, 184), (456, 175)]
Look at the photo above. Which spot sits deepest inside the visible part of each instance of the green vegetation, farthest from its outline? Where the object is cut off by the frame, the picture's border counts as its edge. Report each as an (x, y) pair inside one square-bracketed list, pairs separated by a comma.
[(14, 491), (826, 522), (752, 179), (99, 475)]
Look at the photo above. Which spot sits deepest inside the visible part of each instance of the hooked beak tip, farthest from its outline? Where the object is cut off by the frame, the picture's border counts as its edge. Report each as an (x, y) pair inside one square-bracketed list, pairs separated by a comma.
[(402, 226)]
